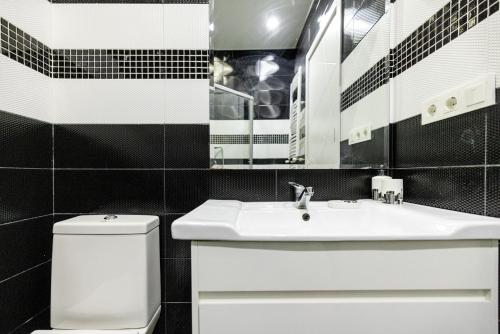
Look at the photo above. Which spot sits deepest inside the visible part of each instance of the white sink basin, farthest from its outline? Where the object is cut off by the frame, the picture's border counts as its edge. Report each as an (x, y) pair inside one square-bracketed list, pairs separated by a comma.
[(366, 220)]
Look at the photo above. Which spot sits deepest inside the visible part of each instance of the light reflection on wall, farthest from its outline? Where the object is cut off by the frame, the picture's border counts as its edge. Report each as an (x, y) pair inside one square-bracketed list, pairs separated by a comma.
[(264, 74)]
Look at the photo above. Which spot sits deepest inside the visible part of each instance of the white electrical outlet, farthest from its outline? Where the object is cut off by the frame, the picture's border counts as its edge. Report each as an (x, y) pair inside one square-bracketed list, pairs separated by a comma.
[(360, 134), (473, 95)]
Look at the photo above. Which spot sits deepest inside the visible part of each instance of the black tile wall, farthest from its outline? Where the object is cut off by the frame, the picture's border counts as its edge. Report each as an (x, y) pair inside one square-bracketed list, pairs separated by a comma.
[(174, 249), (451, 164), (329, 184), (493, 132), (108, 191), (373, 153), (24, 142), (178, 280), (187, 146), (243, 185), (40, 321), (24, 296), (25, 193), (108, 146), (185, 189), (454, 141), (25, 222), (457, 189), (178, 318), (25, 244), (493, 191)]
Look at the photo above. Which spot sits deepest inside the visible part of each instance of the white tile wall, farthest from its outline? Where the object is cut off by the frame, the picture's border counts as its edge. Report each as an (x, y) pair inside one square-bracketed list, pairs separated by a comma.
[(494, 46), (187, 101), (373, 109), (22, 90), (229, 127), (32, 16), (467, 57), (373, 47), (281, 126), (266, 151), (108, 26), (109, 101), (232, 151), (186, 26), (410, 14)]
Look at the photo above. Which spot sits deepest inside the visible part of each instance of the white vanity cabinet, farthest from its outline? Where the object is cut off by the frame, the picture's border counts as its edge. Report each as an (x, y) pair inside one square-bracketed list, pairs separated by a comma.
[(345, 287)]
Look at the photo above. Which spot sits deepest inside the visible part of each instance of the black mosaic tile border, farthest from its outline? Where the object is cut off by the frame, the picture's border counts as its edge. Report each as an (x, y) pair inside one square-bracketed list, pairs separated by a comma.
[(130, 64), (245, 139), (102, 64), (451, 21), (374, 78), (270, 139), (23, 48), (230, 139)]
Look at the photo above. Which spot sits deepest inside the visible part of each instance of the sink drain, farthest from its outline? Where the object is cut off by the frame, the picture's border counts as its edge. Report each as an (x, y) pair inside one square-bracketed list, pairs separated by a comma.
[(306, 217)]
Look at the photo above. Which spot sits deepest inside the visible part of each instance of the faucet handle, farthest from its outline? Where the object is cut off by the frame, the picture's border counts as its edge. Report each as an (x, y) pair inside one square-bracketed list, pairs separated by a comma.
[(310, 190), (296, 185)]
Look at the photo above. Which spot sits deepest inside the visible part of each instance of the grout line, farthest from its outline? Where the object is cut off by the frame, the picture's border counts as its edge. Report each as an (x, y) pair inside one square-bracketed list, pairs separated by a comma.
[(129, 169), (24, 271), (101, 213), (441, 167), (25, 219), (53, 171), (29, 320), (164, 189), (27, 168), (485, 184), (275, 184)]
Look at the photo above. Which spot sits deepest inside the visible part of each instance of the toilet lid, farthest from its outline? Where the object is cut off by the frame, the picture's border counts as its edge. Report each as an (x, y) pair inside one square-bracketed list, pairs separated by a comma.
[(83, 331)]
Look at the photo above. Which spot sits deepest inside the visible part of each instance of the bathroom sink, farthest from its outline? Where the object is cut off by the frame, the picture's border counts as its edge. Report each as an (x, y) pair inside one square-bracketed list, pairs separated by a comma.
[(345, 221)]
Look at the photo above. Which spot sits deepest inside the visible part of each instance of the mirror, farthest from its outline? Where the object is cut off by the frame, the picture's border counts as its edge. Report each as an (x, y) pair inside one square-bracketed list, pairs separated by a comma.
[(299, 84)]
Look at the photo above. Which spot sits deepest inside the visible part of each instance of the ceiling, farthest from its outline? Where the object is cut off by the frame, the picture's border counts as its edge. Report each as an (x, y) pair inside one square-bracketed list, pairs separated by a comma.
[(244, 24)]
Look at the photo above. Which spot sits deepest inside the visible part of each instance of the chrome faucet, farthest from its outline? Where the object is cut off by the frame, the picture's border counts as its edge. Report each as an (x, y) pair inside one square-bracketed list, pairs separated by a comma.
[(302, 195)]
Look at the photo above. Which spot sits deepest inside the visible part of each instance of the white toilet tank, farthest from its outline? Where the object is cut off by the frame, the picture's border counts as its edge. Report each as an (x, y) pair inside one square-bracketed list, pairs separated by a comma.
[(105, 272)]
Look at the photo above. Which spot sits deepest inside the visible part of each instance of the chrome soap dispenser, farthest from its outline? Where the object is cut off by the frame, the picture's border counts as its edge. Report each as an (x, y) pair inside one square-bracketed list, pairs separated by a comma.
[(377, 182)]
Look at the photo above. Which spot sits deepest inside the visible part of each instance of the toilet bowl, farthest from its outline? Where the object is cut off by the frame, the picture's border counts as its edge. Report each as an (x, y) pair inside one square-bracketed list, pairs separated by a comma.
[(105, 275)]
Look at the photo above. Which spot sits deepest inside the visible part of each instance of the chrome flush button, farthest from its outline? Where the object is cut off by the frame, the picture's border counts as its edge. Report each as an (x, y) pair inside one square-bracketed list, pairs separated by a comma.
[(110, 218)]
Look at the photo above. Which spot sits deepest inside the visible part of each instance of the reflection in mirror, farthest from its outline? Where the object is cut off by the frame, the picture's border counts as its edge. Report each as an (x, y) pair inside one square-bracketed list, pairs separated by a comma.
[(277, 94)]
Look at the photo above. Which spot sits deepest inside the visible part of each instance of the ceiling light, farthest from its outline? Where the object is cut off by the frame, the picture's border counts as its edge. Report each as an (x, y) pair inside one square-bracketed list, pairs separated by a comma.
[(272, 23)]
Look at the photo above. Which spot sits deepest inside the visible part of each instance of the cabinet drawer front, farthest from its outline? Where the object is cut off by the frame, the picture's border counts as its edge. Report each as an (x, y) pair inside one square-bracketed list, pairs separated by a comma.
[(328, 266), (355, 317)]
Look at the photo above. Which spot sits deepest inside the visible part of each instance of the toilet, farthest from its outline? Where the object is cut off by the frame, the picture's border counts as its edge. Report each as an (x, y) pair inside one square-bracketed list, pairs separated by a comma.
[(105, 275)]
